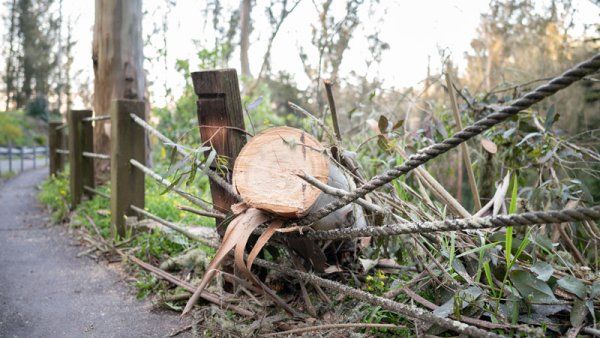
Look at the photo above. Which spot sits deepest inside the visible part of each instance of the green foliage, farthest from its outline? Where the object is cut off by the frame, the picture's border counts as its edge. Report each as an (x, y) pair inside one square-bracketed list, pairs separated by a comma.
[(153, 245), (38, 108), (20, 129), (55, 194)]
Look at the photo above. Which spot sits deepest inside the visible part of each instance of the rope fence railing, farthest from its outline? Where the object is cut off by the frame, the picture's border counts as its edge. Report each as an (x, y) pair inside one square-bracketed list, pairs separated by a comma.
[(96, 118), (62, 127), (95, 156), (516, 220), (62, 151), (424, 155)]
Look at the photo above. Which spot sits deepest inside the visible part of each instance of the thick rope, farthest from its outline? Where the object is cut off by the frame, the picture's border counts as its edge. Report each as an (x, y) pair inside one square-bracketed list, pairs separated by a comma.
[(424, 155), (528, 218), (95, 155)]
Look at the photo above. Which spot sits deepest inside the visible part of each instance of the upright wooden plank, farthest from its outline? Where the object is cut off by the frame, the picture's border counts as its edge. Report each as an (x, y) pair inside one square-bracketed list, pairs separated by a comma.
[(127, 142), (77, 165), (221, 120), (55, 141), (22, 156), (10, 153), (87, 145)]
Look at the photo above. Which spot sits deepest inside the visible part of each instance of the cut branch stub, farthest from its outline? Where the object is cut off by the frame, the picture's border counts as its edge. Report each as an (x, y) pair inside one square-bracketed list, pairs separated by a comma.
[(265, 172)]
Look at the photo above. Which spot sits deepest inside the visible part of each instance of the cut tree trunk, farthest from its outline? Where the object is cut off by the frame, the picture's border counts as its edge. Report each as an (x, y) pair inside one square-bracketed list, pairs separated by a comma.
[(266, 176), (117, 55)]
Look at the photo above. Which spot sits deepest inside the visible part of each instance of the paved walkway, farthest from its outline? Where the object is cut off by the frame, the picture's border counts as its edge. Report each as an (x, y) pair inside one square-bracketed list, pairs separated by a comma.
[(46, 291)]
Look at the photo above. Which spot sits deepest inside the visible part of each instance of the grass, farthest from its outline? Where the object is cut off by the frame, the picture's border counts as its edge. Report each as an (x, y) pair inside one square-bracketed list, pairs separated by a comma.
[(151, 246)]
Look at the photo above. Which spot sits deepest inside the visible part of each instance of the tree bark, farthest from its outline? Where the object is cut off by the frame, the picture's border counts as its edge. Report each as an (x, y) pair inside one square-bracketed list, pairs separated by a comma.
[(10, 73), (117, 55), (245, 37)]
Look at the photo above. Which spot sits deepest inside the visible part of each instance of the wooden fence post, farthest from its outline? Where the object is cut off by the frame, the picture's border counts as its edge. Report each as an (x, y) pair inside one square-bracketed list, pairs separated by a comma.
[(87, 145), (10, 153), (55, 141), (78, 165), (127, 142), (22, 155), (221, 121)]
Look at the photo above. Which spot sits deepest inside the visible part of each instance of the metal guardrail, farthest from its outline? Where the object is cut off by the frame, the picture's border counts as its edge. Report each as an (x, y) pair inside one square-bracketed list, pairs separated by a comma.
[(22, 158)]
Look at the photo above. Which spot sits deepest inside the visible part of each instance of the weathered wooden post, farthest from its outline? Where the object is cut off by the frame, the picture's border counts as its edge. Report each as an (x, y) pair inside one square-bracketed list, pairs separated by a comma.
[(34, 151), (78, 165), (55, 141), (87, 145), (221, 121), (22, 156), (10, 152), (127, 142)]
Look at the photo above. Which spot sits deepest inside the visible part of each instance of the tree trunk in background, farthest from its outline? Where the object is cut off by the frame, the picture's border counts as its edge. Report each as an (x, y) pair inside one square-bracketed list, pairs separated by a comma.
[(117, 55), (245, 37), (60, 87), (68, 64), (10, 73)]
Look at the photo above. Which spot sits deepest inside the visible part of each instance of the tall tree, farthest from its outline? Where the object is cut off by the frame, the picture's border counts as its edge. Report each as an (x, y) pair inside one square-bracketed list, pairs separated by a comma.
[(10, 76), (118, 57), (331, 38), (36, 30), (245, 28), (69, 44)]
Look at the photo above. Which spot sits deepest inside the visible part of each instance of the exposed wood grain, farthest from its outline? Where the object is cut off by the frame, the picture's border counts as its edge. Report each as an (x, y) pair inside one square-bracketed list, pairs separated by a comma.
[(265, 172)]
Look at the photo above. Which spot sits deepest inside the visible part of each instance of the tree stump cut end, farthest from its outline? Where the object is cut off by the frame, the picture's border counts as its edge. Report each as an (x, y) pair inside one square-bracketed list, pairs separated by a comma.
[(266, 171)]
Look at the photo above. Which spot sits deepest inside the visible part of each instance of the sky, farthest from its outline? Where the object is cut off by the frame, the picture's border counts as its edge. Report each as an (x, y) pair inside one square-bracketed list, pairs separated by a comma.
[(415, 31)]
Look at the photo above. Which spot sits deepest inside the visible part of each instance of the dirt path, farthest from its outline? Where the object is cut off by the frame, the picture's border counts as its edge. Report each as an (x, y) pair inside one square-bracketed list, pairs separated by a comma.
[(46, 291)]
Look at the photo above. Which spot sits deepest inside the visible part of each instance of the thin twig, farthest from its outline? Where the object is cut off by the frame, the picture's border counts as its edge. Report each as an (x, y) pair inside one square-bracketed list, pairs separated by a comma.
[(195, 200), (340, 326), (334, 118), (200, 212), (463, 146), (339, 192)]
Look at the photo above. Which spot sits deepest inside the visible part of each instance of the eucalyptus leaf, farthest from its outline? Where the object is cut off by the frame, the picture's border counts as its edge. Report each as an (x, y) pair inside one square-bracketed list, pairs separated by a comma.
[(595, 291), (590, 305), (368, 264), (467, 296), (254, 104), (383, 124), (573, 285), (209, 160), (530, 287), (578, 312), (543, 270), (527, 138), (551, 117)]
